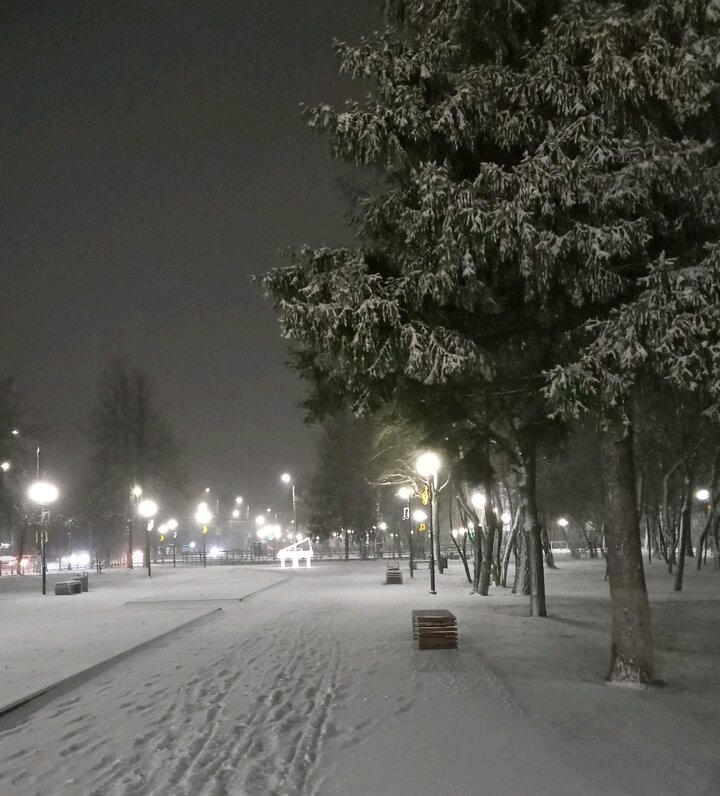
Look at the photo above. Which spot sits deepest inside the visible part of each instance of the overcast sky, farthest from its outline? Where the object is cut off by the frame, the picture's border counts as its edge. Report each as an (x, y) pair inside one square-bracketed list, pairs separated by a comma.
[(153, 157)]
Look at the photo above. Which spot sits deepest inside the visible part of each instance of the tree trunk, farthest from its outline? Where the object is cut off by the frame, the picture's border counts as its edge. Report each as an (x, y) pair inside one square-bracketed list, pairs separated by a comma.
[(463, 558), (347, 545), (632, 645), (509, 548), (488, 540), (130, 564), (477, 539), (715, 539), (685, 519), (532, 527)]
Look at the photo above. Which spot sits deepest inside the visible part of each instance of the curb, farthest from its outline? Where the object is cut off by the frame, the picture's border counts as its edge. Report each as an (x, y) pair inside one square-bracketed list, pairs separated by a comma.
[(71, 681)]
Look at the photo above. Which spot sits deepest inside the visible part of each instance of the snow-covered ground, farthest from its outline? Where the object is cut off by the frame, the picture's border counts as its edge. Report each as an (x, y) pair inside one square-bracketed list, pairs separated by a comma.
[(310, 684)]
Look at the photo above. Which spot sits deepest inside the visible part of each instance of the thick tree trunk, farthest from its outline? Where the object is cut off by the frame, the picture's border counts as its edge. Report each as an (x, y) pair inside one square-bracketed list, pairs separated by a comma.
[(347, 545), (632, 646), (532, 526), (685, 519), (488, 540), (521, 582)]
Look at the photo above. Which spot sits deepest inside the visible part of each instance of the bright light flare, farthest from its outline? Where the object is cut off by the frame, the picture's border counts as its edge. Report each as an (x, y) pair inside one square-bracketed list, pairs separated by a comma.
[(418, 516), (562, 522), (43, 493), (203, 515), (427, 464), (147, 508), (703, 494), (405, 493), (478, 500)]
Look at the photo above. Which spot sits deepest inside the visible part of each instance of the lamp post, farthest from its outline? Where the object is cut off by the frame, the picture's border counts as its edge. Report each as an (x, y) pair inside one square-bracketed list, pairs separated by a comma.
[(135, 494), (287, 479), (203, 517), (405, 493), (44, 494), (427, 466), (147, 509), (172, 526)]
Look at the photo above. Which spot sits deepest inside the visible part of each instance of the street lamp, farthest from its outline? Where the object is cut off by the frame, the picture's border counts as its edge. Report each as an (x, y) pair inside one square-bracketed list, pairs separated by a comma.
[(147, 509), (44, 494), (703, 494), (172, 526), (5, 466), (405, 493), (287, 479), (135, 494), (203, 517), (427, 466)]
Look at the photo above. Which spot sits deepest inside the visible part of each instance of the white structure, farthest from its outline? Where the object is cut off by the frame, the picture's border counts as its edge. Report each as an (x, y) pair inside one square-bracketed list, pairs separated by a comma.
[(295, 552)]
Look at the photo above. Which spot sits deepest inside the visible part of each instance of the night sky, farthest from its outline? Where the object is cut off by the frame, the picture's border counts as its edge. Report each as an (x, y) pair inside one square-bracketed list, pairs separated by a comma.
[(153, 157)]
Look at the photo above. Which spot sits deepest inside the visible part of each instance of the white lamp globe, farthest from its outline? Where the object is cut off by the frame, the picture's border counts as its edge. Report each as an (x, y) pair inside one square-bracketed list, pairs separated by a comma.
[(147, 508), (43, 493), (427, 464)]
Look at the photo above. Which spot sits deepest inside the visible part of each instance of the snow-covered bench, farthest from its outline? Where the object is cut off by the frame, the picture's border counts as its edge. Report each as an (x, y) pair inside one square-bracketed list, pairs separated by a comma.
[(393, 573), (68, 587), (435, 629)]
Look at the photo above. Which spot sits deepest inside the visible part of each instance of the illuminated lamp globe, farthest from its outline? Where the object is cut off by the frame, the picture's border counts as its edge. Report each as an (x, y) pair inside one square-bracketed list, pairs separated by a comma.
[(203, 515), (702, 494), (147, 508), (427, 464), (404, 492), (43, 493)]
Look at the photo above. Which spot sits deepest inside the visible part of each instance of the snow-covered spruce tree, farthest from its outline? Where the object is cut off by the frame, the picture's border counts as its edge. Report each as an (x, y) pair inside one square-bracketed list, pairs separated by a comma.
[(670, 331), (533, 160)]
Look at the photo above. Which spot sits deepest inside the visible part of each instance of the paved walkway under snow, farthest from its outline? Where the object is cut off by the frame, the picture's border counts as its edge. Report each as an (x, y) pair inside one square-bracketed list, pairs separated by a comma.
[(310, 686)]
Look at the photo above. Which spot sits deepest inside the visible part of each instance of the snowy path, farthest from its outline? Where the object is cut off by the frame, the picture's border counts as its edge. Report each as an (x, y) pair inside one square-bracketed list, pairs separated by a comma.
[(314, 687)]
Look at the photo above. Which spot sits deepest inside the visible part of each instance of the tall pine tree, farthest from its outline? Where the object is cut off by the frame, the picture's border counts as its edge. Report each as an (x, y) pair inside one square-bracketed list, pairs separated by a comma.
[(536, 160)]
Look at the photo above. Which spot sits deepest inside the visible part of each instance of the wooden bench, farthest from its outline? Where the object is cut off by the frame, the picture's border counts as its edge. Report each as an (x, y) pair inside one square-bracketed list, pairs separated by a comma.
[(435, 629), (419, 563), (393, 573), (68, 587)]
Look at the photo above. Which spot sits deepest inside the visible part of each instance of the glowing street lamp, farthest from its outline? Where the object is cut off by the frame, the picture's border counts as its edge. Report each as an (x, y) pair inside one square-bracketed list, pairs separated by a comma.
[(203, 518), (135, 494), (44, 494), (5, 466), (147, 509), (427, 466), (235, 514), (703, 494)]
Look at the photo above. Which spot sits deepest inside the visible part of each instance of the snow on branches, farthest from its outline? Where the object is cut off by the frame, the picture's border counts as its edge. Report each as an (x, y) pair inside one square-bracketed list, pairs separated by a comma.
[(671, 330)]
